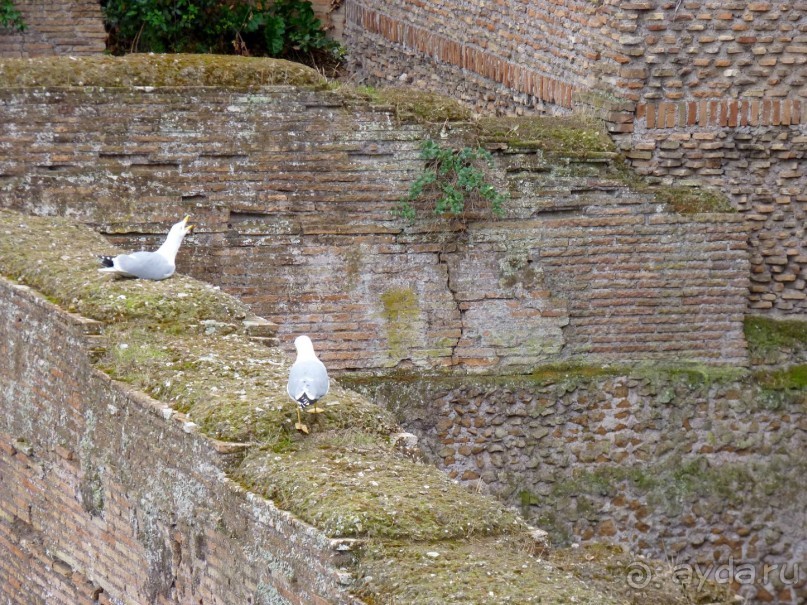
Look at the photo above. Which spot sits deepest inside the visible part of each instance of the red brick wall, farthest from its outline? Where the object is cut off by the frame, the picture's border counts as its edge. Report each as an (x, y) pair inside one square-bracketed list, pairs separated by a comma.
[(106, 496), (710, 93), (57, 27), (293, 193)]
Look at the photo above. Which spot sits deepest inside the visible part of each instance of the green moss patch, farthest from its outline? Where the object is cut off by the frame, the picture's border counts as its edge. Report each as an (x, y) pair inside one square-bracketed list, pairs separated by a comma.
[(353, 485), (493, 570), (235, 390), (679, 199), (409, 103), (793, 378), (561, 372), (400, 312), (676, 484), (59, 258), (573, 136), (772, 341), (156, 70), (598, 564), (691, 374), (511, 570), (693, 200)]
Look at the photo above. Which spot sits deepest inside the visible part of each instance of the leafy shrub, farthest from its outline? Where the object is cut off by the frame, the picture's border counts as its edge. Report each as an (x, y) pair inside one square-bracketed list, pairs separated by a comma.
[(266, 28), (454, 181), (10, 17)]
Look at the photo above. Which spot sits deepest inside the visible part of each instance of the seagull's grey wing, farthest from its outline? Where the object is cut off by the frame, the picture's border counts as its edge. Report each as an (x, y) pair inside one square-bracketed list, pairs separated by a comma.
[(145, 265), (309, 378)]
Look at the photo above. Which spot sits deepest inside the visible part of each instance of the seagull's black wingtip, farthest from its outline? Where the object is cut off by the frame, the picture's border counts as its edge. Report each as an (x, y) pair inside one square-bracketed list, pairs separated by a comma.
[(106, 261), (304, 401)]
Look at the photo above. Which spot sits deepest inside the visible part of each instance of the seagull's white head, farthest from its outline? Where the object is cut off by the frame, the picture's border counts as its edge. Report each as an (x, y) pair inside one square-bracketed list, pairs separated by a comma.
[(180, 229), (304, 346), (173, 241)]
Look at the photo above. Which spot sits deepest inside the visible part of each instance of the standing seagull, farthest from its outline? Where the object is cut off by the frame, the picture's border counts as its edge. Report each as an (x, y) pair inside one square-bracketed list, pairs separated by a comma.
[(308, 379), (149, 265)]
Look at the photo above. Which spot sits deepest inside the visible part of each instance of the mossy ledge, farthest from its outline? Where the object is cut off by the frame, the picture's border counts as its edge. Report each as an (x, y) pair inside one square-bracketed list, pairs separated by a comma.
[(156, 70), (563, 376), (579, 136), (169, 338), (408, 103)]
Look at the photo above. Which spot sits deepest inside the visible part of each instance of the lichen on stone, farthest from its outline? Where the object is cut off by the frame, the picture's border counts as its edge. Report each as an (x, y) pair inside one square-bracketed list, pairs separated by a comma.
[(400, 313)]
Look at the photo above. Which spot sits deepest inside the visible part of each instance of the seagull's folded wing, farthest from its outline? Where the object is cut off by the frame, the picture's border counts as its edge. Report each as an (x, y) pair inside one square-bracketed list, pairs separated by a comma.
[(145, 265)]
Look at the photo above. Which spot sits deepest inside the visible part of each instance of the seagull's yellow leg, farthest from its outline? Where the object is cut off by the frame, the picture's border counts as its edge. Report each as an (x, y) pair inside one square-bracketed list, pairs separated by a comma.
[(300, 426)]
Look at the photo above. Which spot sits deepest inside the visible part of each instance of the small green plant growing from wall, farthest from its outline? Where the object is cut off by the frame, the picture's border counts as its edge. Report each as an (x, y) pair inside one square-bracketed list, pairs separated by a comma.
[(10, 17), (453, 182)]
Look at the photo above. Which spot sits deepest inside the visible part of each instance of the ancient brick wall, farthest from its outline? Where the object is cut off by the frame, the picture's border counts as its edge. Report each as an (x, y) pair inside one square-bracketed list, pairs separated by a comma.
[(709, 92), (543, 52), (763, 171), (61, 27), (676, 466), (107, 496), (293, 193), (720, 93)]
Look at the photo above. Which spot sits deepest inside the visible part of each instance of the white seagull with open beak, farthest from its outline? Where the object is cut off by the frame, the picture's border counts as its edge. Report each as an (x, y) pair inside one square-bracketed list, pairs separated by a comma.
[(149, 265)]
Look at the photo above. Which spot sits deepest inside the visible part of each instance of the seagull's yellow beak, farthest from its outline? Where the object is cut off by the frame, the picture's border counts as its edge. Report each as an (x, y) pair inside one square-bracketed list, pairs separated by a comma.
[(185, 220)]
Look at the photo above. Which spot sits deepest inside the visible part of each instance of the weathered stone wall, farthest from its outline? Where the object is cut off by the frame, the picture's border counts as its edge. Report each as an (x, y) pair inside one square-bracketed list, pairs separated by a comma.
[(57, 27), (710, 92), (671, 464), (107, 496), (293, 193)]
